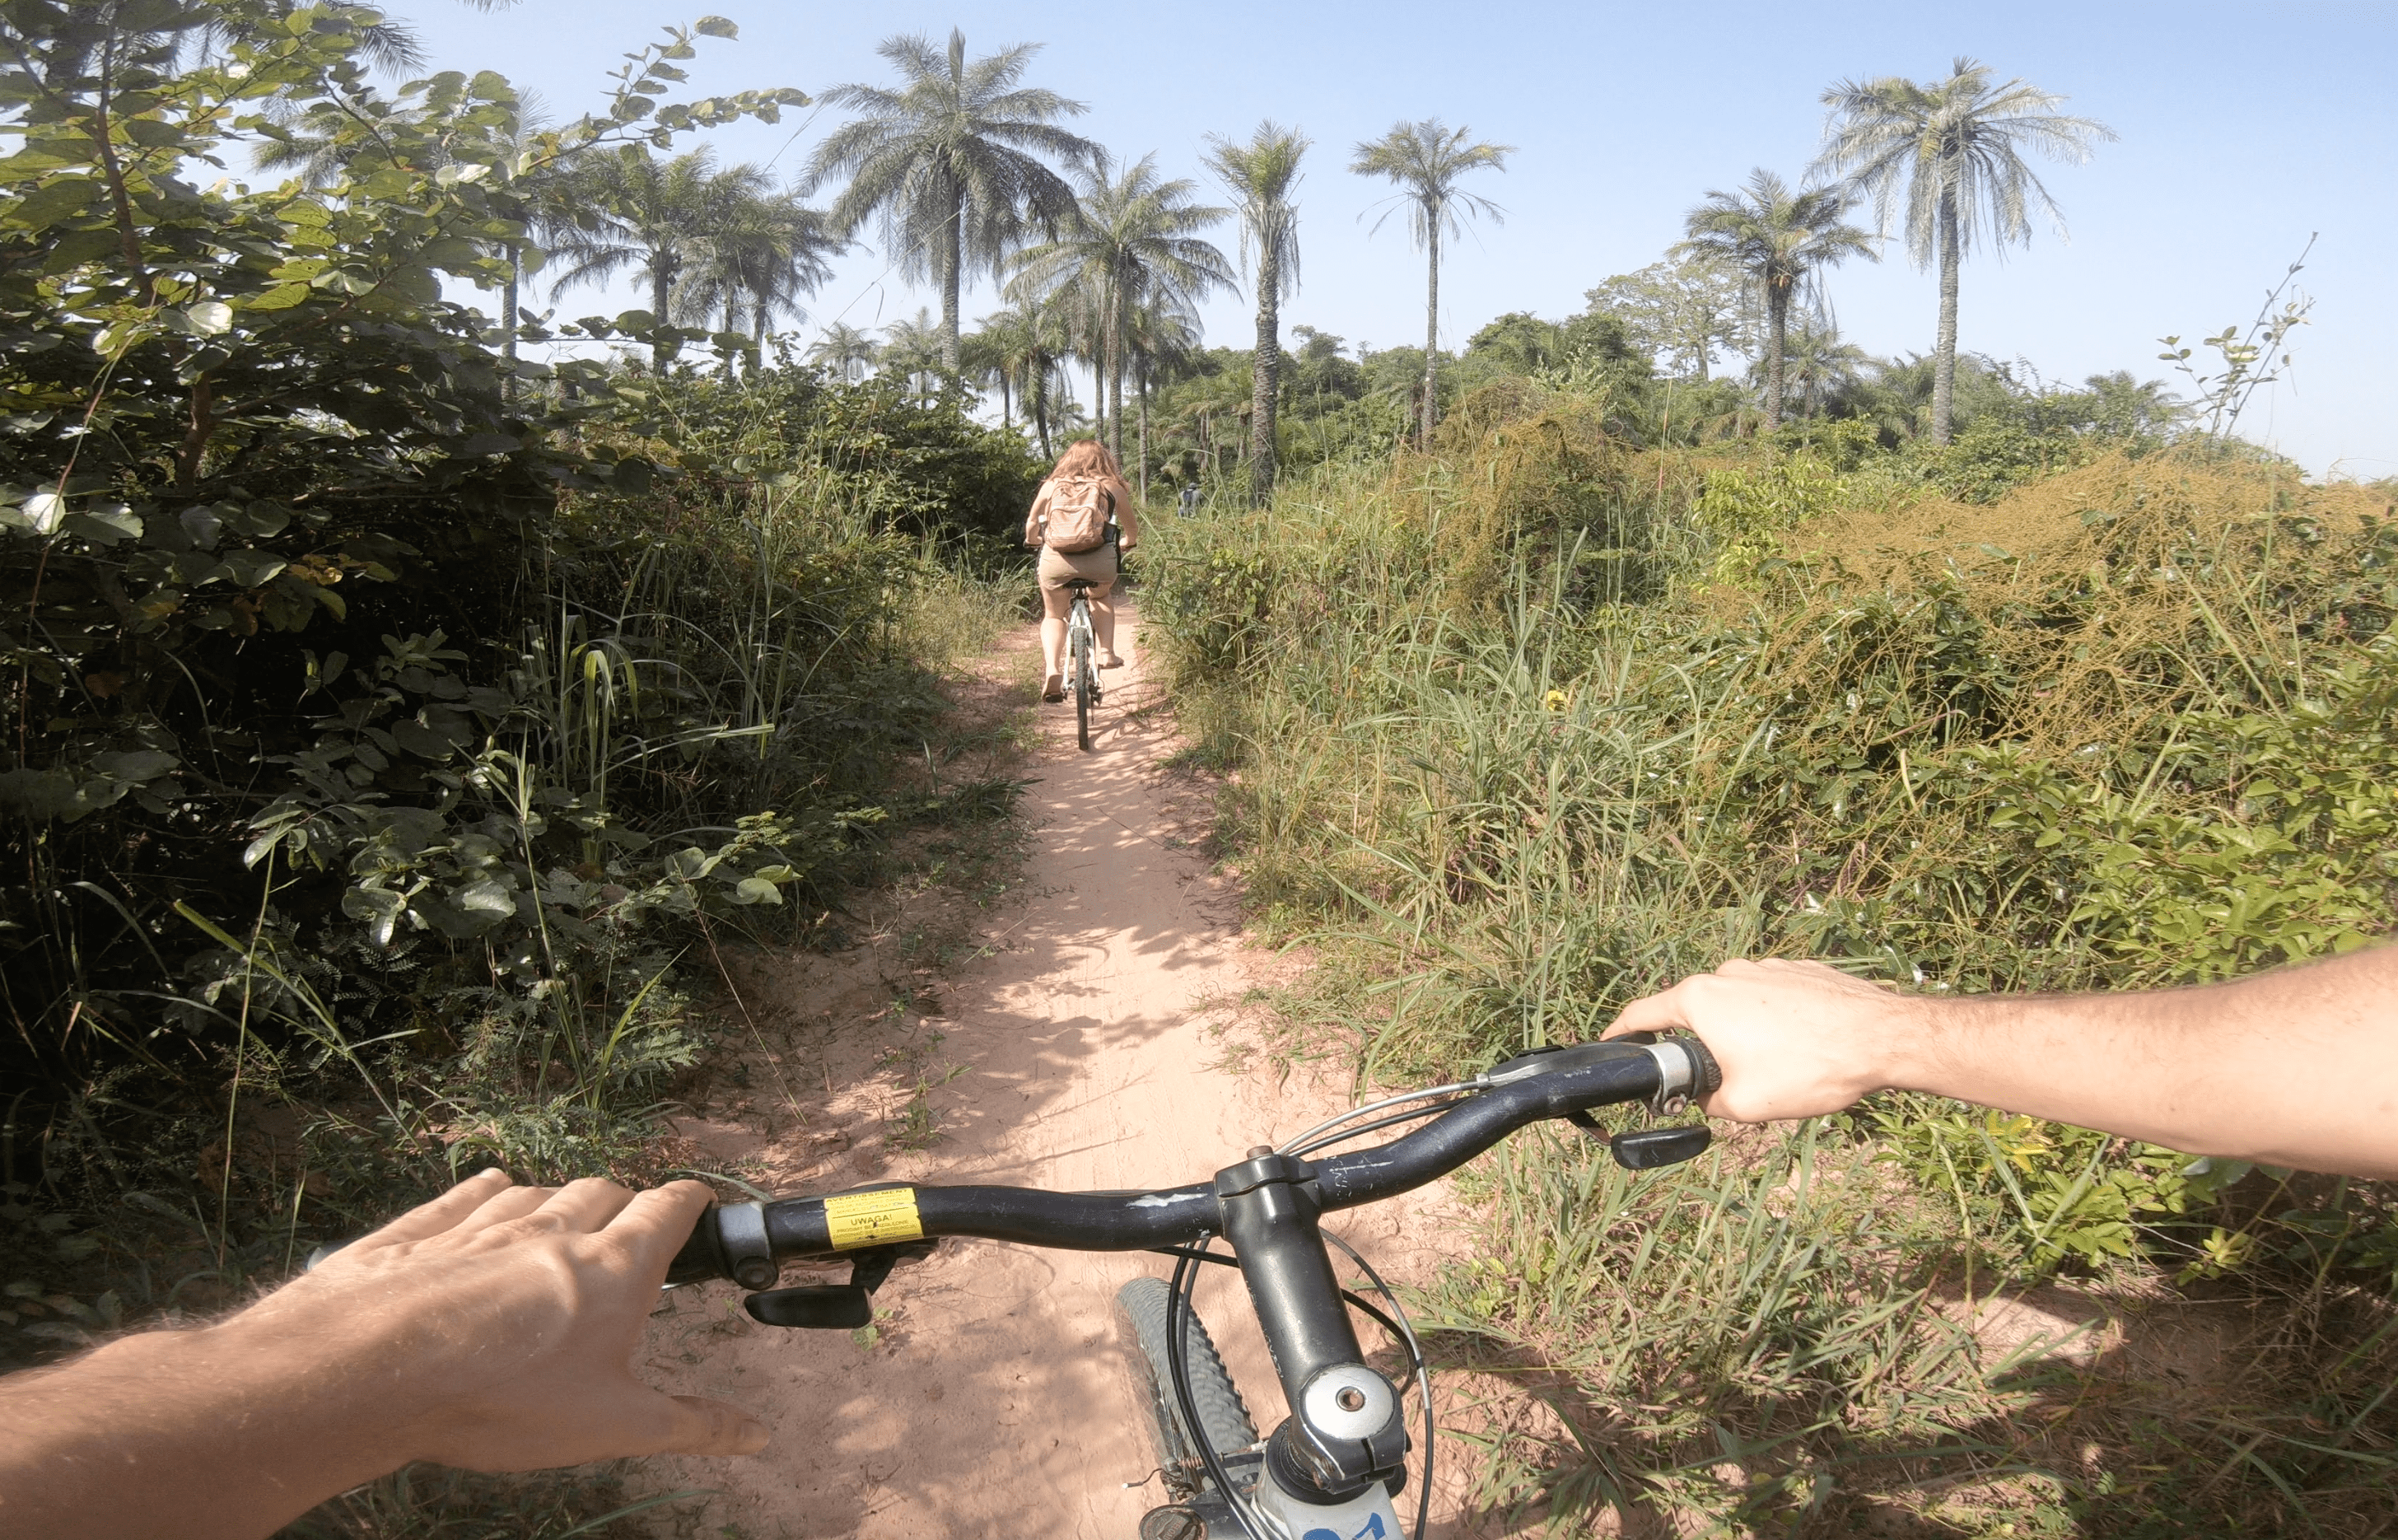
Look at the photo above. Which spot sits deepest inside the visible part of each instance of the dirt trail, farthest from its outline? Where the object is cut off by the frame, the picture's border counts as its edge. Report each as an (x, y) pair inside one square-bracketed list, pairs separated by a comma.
[(995, 1403)]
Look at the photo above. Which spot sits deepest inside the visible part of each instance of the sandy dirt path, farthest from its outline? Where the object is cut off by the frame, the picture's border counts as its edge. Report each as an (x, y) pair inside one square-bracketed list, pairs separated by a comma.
[(1090, 1036)]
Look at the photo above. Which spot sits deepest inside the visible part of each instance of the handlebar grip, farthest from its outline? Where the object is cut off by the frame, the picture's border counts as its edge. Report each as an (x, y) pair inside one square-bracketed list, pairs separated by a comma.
[(728, 1242), (1707, 1076)]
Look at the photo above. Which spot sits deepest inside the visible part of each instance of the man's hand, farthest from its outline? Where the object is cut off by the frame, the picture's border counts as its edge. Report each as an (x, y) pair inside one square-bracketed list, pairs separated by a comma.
[(491, 1328), (2295, 1067), (502, 1323), (1793, 1039)]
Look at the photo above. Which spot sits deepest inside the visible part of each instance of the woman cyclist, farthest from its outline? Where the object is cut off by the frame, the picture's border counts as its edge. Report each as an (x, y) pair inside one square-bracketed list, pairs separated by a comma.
[(1081, 521)]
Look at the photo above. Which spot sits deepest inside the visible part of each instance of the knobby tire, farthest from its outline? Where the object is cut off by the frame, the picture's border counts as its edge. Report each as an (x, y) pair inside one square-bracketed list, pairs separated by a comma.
[(1224, 1418)]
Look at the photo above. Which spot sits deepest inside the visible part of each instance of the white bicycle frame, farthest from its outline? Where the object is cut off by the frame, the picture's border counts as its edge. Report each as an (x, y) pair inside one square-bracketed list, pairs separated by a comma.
[(1367, 1515), (1078, 627)]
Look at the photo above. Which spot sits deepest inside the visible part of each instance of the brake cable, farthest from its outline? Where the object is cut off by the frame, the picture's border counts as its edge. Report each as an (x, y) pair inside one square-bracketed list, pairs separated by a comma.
[(1340, 1135), (1179, 1314), (1372, 1311), (1292, 1146), (1423, 1374)]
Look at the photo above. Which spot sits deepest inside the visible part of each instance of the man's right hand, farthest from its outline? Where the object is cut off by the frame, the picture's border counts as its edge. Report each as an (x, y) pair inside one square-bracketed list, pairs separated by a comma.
[(2295, 1067), (1795, 1040)]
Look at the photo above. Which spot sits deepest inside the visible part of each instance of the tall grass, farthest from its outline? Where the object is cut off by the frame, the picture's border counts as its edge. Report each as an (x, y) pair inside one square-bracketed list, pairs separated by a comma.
[(1527, 729)]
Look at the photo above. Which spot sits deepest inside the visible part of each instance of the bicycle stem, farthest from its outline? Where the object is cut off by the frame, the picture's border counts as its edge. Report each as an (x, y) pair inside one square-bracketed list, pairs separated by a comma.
[(1346, 1431)]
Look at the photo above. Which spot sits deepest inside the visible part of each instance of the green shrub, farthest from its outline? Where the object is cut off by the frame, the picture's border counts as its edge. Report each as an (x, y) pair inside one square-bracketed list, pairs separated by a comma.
[(2124, 725)]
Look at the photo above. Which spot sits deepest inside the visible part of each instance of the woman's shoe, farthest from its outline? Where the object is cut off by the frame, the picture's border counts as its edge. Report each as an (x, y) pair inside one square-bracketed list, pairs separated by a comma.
[(1052, 688), (1112, 661)]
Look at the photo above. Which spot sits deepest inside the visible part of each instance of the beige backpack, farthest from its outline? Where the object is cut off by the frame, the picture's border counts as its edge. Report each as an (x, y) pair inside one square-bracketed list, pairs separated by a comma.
[(1080, 508)]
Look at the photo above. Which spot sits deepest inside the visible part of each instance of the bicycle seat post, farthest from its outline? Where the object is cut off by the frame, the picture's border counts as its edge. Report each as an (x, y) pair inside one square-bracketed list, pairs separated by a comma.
[(1347, 1433)]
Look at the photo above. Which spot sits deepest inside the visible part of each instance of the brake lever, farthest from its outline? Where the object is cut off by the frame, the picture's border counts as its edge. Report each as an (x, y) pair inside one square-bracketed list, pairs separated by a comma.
[(836, 1306), (1645, 1149)]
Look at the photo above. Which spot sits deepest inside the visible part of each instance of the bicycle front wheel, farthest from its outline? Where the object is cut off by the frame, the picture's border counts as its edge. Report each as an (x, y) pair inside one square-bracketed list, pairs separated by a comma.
[(1223, 1418)]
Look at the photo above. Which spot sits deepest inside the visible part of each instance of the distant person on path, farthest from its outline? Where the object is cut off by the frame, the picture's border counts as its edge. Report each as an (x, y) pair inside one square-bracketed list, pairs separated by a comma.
[(1082, 522), (1189, 498)]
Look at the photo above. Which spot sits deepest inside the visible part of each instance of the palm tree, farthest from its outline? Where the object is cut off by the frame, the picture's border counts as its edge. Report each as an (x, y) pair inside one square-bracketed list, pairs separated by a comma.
[(915, 350), (1783, 241), (1952, 152), (654, 216), (948, 162), (1159, 338), (1426, 159), (982, 361), (1260, 175), (1132, 242), (1824, 368), (768, 255), (846, 349), (1007, 349), (1051, 339), (1078, 310)]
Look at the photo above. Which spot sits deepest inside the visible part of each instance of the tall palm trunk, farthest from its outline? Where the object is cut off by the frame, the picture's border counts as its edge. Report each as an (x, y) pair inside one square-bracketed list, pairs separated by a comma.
[(662, 277), (1004, 419), (1777, 322), (1265, 375), (1944, 349), (953, 260), (1431, 326), (1036, 393), (508, 321), (1115, 373), (1141, 394)]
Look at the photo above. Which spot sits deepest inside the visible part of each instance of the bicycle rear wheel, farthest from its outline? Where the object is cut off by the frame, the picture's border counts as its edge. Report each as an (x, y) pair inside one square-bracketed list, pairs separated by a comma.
[(1224, 1419), (1085, 683)]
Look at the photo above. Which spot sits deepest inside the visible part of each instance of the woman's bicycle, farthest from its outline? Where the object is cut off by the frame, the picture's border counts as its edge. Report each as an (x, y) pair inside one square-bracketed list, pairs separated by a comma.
[(1332, 1469), (1082, 659)]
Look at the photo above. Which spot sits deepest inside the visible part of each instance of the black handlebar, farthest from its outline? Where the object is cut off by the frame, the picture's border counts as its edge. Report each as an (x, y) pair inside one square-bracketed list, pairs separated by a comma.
[(749, 1242)]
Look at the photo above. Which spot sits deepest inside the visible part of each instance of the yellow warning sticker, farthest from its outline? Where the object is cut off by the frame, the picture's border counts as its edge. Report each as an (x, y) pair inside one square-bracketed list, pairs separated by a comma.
[(872, 1219)]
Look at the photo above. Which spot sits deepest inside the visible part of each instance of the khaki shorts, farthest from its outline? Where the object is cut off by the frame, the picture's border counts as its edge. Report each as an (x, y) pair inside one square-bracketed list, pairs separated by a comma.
[(1098, 566)]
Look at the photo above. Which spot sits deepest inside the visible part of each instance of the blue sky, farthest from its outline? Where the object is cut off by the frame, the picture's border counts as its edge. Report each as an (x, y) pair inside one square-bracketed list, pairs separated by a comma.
[(2243, 130)]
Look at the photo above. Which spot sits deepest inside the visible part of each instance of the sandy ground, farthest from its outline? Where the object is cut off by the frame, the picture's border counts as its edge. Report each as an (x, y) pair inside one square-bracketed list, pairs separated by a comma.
[(1090, 1043)]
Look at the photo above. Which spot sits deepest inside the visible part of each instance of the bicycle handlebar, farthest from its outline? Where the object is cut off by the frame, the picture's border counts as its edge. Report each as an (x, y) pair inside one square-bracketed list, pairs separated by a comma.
[(749, 1242)]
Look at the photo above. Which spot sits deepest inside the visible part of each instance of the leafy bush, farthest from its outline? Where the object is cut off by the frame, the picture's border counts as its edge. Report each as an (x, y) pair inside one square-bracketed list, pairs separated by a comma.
[(391, 710)]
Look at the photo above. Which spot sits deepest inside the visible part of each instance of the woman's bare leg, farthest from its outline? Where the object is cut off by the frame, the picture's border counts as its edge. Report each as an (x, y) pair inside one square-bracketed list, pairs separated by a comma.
[(1055, 603), (1103, 623)]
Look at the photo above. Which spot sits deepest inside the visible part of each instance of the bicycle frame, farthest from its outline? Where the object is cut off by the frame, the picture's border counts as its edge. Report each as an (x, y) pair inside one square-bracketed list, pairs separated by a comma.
[(1331, 1465)]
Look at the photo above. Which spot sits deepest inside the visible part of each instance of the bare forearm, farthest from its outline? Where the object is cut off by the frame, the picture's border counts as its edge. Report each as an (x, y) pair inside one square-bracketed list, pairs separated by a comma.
[(2298, 1067), (490, 1328), (242, 1443)]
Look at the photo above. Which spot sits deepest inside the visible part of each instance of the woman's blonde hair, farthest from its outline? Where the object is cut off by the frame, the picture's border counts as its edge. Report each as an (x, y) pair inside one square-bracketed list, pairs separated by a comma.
[(1087, 457)]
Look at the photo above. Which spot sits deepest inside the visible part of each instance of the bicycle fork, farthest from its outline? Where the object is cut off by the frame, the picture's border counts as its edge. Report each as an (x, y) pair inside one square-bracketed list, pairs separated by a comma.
[(1331, 1466)]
